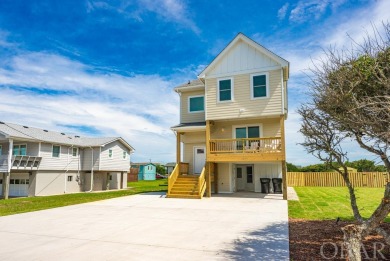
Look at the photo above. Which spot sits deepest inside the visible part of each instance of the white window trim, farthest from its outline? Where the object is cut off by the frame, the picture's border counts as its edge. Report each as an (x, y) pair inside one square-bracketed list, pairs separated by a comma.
[(71, 178), (266, 85), (124, 158), (20, 144), (59, 155), (112, 154), (231, 90), (195, 96), (260, 125), (77, 152)]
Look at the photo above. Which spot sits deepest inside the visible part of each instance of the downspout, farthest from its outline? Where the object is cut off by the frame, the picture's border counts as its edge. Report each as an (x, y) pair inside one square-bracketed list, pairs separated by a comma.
[(67, 169), (91, 171)]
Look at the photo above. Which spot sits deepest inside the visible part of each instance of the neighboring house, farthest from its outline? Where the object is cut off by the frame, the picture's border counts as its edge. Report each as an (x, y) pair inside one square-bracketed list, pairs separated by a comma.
[(350, 169), (37, 162), (147, 171), (232, 123), (169, 167)]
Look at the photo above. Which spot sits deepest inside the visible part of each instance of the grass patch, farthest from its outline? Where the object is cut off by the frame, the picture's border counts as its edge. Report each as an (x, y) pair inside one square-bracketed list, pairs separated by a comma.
[(322, 203), (22, 205)]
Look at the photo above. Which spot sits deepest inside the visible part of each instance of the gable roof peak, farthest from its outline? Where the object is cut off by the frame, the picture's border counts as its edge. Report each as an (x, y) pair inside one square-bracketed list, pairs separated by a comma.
[(241, 36)]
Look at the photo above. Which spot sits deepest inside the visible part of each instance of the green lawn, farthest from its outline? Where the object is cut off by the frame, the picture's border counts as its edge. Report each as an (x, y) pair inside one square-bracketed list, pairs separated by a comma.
[(318, 203), (21, 205)]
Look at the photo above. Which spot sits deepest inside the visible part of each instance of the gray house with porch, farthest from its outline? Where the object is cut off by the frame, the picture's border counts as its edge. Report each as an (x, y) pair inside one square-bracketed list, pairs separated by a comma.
[(38, 162)]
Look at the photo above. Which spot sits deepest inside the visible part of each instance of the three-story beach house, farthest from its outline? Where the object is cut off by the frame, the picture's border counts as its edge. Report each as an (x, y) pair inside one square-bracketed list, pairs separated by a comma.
[(231, 130)]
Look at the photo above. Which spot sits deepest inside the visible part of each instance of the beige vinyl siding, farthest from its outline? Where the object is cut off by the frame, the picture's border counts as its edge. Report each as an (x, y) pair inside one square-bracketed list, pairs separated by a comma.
[(224, 129), (194, 137), (86, 155), (64, 162), (242, 98), (116, 163), (185, 115)]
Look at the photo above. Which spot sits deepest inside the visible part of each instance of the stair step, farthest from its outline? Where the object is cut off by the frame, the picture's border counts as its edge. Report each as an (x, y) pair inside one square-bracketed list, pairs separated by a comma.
[(184, 192), (183, 196)]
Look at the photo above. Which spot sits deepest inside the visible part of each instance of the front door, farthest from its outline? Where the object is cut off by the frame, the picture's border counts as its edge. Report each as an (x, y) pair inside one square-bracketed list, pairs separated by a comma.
[(199, 159), (240, 179)]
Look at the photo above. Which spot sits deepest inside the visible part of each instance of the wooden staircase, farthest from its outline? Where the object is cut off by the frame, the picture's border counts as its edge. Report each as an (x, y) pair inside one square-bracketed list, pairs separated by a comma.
[(186, 186)]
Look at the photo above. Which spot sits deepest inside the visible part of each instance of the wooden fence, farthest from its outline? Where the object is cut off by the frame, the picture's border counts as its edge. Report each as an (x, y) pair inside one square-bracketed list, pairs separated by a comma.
[(132, 175), (334, 179)]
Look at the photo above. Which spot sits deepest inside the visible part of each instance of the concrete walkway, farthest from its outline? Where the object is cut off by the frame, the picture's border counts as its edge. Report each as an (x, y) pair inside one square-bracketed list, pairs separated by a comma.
[(151, 227)]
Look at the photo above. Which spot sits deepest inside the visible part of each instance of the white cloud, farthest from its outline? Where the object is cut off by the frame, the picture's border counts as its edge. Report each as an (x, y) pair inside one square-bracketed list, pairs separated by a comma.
[(171, 10), (282, 11), (174, 11), (312, 9), (48, 91)]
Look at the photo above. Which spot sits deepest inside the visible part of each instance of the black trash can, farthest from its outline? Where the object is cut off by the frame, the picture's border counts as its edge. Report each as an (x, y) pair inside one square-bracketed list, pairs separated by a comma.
[(277, 185), (265, 185)]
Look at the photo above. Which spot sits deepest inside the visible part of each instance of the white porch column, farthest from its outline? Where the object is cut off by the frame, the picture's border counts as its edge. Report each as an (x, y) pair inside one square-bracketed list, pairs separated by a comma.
[(6, 177)]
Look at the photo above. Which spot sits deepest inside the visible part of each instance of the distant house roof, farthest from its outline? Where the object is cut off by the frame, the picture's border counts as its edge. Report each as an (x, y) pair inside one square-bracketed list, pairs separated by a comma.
[(16, 131), (191, 126), (190, 85), (138, 164), (170, 164)]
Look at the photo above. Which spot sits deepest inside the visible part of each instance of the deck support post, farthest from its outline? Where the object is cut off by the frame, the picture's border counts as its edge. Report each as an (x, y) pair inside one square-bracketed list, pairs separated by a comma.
[(284, 166), (216, 178), (208, 179), (178, 151)]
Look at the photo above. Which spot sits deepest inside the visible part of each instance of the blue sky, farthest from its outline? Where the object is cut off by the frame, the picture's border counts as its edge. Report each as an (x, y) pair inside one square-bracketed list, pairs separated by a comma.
[(109, 67)]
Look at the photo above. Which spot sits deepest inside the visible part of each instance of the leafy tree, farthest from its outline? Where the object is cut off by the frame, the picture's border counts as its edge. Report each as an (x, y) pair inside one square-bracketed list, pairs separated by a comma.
[(292, 168), (350, 101), (160, 169)]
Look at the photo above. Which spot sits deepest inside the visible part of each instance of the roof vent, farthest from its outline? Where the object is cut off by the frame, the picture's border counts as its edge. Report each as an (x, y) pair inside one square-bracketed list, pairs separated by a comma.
[(45, 130), (2, 122), (77, 136), (62, 133), (70, 138), (25, 127)]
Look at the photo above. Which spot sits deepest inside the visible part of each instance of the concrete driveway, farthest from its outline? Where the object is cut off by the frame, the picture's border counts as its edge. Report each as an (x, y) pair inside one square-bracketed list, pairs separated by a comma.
[(152, 227)]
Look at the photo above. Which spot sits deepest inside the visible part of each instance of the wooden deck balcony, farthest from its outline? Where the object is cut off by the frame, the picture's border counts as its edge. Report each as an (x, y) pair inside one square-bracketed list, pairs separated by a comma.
[(246, 150)]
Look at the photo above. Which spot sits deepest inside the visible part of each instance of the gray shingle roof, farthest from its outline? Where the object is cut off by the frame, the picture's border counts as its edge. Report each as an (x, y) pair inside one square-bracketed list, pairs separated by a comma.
[(30, 133), (191, 84)]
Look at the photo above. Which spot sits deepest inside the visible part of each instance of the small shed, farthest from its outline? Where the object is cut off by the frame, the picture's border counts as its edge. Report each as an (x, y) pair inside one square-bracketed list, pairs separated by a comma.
[(147, 172)]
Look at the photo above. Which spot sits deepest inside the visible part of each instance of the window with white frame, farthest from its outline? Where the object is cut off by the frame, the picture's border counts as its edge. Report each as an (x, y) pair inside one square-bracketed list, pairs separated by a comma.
[(259, 85), (196, 104), (124, 155), (225, 90), (56, 150), (70, 178), (19, 150), (75, 152), (110, 154)]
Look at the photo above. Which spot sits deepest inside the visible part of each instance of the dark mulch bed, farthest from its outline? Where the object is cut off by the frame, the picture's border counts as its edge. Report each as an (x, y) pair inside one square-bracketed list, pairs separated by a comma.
[(323, 240)]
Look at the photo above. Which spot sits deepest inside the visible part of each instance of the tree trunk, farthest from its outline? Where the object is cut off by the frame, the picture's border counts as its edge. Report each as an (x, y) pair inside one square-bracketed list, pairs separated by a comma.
[(353, 241)]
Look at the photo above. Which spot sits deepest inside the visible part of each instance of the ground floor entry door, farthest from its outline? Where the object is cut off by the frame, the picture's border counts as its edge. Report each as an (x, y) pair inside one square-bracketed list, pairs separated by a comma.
[(244, 178), (199, 159)]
